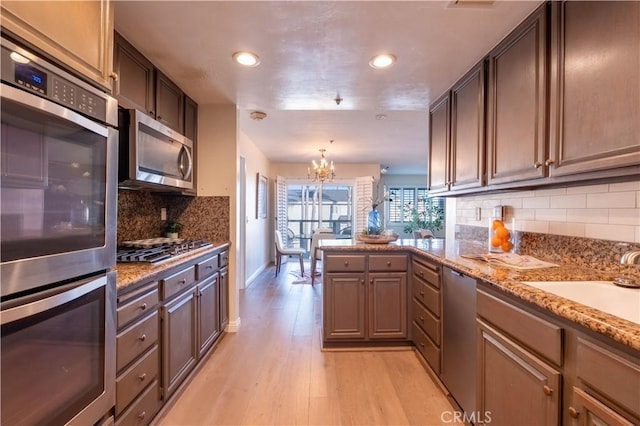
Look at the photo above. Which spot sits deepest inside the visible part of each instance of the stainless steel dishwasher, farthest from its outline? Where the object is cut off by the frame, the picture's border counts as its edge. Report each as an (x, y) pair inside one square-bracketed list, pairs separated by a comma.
[(459, 338)]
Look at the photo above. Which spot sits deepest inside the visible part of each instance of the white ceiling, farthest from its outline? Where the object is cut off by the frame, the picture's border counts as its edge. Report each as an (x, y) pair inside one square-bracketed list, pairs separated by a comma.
[(311, 51)]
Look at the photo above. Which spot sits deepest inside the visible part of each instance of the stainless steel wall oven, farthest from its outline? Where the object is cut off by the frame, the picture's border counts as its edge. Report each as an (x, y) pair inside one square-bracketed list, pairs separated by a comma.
[(58, 189)]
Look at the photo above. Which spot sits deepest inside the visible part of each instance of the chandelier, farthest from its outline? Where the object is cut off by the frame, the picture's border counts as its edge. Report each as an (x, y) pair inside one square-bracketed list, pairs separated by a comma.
[(322, 171)]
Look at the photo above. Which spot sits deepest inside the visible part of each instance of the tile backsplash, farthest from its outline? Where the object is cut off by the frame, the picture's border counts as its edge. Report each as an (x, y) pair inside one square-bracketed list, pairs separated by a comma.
[(606, 211), (203, 217)]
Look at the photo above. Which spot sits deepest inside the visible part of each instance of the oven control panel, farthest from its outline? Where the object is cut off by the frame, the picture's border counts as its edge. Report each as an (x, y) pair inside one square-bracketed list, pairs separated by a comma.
[(35, 75)]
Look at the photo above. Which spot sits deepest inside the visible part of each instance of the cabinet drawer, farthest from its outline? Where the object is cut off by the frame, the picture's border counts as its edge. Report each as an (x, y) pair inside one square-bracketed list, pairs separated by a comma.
[(427, 348), (427, 272), (224, 259), (143, 409), (136, 339), (177, 282), (426, 321), (611, 375), (538, 334), (378, 262), (427, 295), (344, 263), (138, 305), (132, 381), (207, 267)]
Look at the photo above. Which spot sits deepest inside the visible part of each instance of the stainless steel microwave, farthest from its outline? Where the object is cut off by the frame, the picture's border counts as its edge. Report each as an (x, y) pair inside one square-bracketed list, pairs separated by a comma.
[(153, 155)]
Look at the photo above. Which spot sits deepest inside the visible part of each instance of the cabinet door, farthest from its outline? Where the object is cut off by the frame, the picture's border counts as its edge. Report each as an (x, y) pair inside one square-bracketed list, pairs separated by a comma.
[(514, 386), (516, 126), (439, 138), (208, 313), (388, 306), (134, 87), (179, 346), (224, 298), (77, 34), (344, 306), (595, 86), (467, 130), (591, 412), (169, 103)]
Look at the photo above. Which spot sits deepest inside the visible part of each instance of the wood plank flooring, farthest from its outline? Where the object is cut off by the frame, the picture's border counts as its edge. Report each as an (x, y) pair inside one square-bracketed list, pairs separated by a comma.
[(272, 371)]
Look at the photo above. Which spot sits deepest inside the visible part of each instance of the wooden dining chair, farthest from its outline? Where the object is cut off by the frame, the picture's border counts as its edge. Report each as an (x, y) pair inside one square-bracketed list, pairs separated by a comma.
[(287, 251)]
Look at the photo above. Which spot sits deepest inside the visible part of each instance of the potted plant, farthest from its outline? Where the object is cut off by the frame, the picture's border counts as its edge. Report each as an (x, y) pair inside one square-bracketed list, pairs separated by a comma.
[(427, 215), (171, 228)]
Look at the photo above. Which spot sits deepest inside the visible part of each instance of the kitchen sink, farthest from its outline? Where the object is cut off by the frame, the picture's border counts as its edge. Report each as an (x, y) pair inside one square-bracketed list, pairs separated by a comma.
[(602, 295)]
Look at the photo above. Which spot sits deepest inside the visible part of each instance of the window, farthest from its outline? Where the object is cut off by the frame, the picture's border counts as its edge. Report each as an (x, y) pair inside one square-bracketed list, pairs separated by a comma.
[(404, 199)]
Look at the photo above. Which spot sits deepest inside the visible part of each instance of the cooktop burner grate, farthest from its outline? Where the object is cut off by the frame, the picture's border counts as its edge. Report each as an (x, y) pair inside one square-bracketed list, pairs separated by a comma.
[(157, 250)]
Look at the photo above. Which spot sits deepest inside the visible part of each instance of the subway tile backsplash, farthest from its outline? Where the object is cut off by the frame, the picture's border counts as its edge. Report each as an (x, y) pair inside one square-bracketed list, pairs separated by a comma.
[(602, 211)]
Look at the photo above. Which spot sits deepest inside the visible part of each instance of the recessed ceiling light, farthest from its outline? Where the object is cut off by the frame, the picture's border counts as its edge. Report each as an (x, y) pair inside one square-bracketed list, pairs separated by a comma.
[(381, 116), (382, 61), (247, 59)]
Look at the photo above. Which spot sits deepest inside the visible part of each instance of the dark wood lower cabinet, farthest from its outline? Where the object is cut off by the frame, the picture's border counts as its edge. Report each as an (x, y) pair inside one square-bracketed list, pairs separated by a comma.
[(208, 294), (588, 411), (179, 340), (516, 387)]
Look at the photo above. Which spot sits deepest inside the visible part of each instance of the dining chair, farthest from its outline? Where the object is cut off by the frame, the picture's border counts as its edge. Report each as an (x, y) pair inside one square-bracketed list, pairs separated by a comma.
[(287, 251), (315, 252)]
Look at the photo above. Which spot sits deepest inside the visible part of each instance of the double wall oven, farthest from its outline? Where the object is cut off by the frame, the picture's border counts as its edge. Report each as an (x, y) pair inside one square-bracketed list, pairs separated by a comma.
[(58, 189)]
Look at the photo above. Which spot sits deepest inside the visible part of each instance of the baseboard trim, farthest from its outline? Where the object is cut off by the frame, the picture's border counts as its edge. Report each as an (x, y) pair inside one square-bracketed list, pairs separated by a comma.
[(233, 326)]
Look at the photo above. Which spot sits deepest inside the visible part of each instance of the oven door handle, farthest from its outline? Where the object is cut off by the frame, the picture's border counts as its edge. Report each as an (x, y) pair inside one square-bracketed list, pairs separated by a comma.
[(31, 308), (35, 102)]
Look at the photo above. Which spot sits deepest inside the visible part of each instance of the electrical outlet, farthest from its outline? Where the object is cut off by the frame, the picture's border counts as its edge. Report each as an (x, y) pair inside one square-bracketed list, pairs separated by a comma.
[(478, 214), (163, 214)]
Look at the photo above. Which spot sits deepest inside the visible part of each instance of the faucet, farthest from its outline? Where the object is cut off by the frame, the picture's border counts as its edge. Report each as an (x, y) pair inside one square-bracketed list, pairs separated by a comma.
[(631, 257)]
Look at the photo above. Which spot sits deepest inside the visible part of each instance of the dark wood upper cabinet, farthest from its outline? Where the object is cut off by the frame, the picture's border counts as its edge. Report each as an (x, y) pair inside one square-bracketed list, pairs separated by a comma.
[(134, 87), (169, 103), (595, 86), (467, 157), (439, 142), (141, 86), (517, 95)]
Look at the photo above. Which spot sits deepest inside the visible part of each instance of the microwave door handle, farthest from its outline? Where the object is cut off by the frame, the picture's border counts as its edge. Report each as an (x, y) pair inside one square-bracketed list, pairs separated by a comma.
[(187, 174)]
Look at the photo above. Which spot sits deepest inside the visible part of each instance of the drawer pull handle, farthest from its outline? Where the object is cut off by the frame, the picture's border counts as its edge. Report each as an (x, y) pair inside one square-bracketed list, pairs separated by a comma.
[(573, 412), (421, 293), (421, 273), (346, 263), (422, 345), (547, 390), (142, 338), (142, 376), (548, 162), (182, 282), (422, 319), (371, 281), (362, 282), (143, 306), (388, 263), (537, 165), (209, 266), (142, 415)]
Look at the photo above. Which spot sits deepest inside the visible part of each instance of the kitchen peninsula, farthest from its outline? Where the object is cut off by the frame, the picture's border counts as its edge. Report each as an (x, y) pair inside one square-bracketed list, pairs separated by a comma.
[(545, 351)]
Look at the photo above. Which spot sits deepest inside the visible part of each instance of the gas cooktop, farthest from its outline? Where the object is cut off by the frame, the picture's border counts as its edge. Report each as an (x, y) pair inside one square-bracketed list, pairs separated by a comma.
[(157, 250)]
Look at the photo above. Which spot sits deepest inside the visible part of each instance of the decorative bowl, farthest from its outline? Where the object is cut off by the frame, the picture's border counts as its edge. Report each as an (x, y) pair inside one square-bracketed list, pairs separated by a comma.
[(376, 239)]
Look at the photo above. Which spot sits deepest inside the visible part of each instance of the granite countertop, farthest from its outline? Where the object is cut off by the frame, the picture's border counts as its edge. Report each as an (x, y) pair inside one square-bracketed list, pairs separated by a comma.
[(511, 281), (133, 273)]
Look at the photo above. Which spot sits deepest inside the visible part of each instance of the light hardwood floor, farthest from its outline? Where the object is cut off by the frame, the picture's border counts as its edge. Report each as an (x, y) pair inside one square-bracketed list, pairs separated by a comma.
[(272, 371)]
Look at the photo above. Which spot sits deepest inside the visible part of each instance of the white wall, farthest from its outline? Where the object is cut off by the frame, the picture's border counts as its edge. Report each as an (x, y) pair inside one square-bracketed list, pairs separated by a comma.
[(258, 230), (602, 211)]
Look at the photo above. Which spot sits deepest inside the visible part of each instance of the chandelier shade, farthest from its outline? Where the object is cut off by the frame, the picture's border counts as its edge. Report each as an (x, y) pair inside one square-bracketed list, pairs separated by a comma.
[(321, 171)]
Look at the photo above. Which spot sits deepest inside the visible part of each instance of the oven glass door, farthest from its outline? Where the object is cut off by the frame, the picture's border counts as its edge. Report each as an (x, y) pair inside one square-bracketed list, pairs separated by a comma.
[(53, 182), (53, 355)]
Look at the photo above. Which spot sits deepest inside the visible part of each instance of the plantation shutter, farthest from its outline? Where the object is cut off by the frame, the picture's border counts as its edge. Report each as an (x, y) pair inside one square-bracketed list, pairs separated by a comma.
[(362, 202), (281, 208)]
